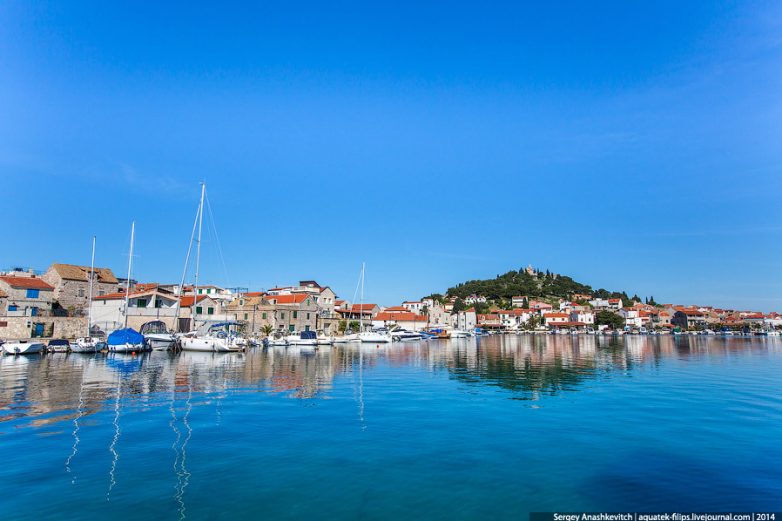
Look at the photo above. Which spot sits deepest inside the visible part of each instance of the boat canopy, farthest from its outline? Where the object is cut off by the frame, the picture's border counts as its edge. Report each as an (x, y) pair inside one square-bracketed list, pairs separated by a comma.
[(59, 342), (156, 326), (125, 336), (308, 335)]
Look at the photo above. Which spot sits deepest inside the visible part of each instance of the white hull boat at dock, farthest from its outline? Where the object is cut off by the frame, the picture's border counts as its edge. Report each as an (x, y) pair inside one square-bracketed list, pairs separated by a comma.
[(23, 348)]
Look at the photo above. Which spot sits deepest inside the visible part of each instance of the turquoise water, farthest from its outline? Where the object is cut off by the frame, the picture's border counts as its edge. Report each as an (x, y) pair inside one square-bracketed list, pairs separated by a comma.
[(488, 428)]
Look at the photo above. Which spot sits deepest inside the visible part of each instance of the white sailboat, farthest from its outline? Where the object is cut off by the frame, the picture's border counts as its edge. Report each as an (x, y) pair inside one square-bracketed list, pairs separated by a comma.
[(88, 344), (219, 337), (127, 340), (369, 337)]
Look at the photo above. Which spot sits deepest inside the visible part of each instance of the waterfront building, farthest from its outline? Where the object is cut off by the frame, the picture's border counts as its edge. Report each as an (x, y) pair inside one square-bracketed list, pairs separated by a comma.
[(413, 306), (72, 284), (28, 296), (489, 321), (145, 304), (632, 317), (292, 312), (464, 320), (364, 312), (554, 318), (583, 316), (404, 319), (688, 318), (519, 301)]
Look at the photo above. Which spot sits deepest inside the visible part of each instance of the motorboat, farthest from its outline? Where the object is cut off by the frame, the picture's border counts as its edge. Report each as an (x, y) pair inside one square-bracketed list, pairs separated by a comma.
[(219, 338), (404, 335), (305, 338), (23, 347), (348, 337), (126, 340), (276, 339), (86, 345), (325, 340), (58, 345), (157, 336), (460, 333), (374, 337)]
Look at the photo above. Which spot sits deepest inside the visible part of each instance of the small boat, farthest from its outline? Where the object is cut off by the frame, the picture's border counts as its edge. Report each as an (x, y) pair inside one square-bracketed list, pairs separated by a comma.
[(305, 338), (86, 345), (58, 345), (325, 340), (276, 339), (23, 347), (157, 336), (374, 337), (459, 333), (220, 338), (403, 335), (126, 340)]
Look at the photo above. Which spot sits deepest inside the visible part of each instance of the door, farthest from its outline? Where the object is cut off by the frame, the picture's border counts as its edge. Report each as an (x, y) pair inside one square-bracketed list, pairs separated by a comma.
[(37, 330)]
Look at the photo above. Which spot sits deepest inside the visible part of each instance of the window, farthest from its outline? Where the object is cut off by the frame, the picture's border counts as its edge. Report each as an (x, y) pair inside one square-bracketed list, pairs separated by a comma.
[(245, 316), (141, 303), (263, 316), (158, 303), (306, 328), (13, 308), (101, 293), (33, 312), (81, 292), (282, 315), (290, 328), (210, 311), (308, 316), (295, 314), (32, 293), (199, 310)]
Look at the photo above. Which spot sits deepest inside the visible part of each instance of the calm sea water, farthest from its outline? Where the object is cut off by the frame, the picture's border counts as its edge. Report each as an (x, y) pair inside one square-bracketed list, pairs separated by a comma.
[(488, 428)]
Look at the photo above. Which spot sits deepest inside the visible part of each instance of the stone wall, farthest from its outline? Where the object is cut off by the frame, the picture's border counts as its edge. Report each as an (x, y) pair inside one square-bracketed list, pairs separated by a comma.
[(75, 294), (21, 328)]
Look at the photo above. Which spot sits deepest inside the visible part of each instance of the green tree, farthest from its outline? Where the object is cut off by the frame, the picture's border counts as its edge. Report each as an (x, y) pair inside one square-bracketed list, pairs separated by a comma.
[(267, 329), (355, 325), (525, 303), (608, 318), (459, 305), (343, 326), (481, 308)]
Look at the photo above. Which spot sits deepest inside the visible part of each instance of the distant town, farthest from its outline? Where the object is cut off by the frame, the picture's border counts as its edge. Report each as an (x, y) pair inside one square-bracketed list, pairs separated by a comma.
[(56, 304)]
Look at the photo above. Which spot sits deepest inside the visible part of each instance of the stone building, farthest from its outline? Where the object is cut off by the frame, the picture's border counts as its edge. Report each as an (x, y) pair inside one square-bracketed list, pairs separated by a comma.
[(26, 296), (72, 284), (293, 313)]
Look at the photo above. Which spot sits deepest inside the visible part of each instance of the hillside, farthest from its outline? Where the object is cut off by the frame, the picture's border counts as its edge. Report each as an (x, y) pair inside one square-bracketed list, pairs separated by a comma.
[(532, 283)]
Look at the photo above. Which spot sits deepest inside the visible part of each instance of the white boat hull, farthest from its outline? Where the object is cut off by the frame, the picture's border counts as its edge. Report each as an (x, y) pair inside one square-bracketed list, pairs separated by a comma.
[(374, 338), (160, 341), (127, 348), (23, 348), (209, 345)]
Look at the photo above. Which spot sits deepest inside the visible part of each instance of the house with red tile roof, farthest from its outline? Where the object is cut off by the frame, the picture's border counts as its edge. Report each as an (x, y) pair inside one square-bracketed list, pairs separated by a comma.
[(27, 295), (403, 319)]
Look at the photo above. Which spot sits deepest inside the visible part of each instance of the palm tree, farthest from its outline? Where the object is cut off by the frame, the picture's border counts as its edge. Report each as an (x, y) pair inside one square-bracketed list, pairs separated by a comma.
[(267, 329)]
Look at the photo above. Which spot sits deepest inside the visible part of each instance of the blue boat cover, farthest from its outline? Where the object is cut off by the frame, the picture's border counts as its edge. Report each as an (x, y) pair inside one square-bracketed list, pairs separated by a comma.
[(308, 335), (125, 336)]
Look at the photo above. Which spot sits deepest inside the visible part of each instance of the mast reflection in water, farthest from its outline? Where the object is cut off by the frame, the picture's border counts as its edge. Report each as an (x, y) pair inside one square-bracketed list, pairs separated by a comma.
[(494, 426)]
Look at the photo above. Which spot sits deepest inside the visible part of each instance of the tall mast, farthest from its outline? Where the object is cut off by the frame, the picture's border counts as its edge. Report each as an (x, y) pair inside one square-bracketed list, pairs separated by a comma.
[(198, 250), (130, 267), (361, 306), (92, 276), (184, 271)]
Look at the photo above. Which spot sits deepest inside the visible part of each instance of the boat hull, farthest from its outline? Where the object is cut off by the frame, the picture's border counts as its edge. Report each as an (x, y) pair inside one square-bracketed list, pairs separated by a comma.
[(208, 345), (23, 348), (127, 348)]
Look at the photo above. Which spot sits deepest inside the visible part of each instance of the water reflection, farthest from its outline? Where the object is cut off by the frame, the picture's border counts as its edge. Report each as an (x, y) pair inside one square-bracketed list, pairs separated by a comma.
[(55, 388)]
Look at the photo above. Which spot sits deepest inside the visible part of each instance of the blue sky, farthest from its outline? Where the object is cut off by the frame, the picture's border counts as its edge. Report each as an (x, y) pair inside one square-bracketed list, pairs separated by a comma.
[(632, 145)]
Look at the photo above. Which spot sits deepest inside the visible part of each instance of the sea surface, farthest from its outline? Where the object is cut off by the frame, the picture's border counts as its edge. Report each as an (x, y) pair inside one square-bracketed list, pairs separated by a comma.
[(486, 428)]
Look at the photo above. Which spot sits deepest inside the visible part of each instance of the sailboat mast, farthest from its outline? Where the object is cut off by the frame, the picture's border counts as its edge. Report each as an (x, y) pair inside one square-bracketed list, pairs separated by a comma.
[(184, 271), (361, 306), (198, 250), (92, 276), (130, 267)]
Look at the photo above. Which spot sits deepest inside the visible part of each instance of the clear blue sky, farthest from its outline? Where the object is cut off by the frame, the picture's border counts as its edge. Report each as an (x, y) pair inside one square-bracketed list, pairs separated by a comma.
[(631, 145)]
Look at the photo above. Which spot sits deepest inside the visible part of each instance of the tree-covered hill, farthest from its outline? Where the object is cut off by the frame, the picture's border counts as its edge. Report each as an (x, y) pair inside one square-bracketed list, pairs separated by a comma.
[(541, 284)]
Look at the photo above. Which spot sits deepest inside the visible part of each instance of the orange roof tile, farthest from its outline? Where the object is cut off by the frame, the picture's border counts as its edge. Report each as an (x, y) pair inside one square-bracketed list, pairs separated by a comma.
[(27, 283)]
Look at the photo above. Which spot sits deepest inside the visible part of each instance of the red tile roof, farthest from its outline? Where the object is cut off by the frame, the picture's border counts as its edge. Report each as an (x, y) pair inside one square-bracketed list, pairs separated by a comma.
[(187, 300), (296, 298), (401, 317), (556, 315), (397, 308), (27, 283), (255, 294)]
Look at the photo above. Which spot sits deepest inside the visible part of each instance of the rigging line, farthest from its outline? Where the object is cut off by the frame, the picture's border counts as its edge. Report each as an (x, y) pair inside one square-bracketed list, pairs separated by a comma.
[(217, 237)]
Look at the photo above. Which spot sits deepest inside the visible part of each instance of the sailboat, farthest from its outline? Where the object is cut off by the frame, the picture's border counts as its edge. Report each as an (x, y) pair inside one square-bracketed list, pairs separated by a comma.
[(219, 337), (88, 344), (127, 340), (369, 337), (351, 337)]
